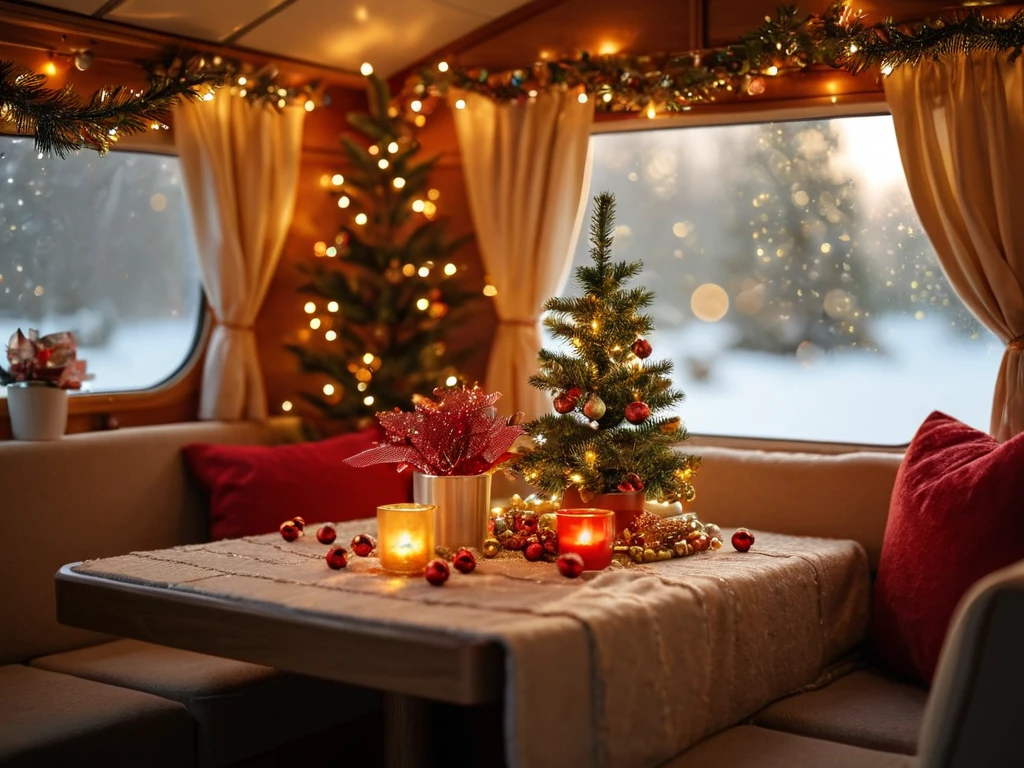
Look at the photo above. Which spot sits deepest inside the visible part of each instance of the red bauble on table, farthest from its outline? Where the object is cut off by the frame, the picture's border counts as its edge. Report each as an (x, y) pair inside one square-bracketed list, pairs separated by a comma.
[(326, 534), (363, 544), (289, 530), (464, 561), (642, 348), (534, 551), (570, 565), (437, 572), (637, 412), (337, 558), (299, 523), (564, 404), (742, 540)]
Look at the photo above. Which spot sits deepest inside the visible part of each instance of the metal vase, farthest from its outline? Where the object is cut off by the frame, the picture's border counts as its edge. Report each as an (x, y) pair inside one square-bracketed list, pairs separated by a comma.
[(462, 503)]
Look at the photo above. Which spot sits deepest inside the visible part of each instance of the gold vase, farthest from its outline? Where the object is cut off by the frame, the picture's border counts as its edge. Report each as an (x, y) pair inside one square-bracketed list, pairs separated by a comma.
[(462, 503)]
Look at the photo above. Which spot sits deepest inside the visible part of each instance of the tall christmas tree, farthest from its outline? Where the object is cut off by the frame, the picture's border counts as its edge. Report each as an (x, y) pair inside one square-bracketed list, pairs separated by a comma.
[(386, 288), (607, 436)]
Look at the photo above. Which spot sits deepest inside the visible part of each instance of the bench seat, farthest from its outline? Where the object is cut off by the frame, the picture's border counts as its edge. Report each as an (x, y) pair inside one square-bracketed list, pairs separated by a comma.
[(240, 710), (50, 719), (864, 709)]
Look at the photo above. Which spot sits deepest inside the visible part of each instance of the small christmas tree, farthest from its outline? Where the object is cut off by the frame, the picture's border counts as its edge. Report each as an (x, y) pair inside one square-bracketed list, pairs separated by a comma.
[(389, 292), (607, 436)]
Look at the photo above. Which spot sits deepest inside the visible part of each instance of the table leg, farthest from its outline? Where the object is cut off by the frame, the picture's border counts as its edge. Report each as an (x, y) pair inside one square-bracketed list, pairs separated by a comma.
[(406, 731)]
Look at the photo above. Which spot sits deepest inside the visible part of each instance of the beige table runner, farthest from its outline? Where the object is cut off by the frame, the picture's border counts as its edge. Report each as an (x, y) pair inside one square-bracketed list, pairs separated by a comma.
[(627, 667)]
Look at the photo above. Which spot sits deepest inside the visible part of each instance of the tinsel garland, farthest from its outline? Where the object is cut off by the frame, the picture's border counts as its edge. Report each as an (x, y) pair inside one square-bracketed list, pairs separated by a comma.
[(837, 38), (62, 122)]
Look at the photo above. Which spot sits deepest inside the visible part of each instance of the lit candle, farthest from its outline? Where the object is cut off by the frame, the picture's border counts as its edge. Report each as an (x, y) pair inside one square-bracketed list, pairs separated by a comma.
[(590, 533), (405, 536)]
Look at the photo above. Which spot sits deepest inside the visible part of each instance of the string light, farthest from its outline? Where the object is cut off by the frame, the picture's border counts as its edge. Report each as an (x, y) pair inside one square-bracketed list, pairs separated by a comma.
[(582, 98), (242, 81), (460, 103), (310, 308), (332, 252), (398, 182), (416, 105), (337, 179), (310, 105), (343, 201), (490, 290), (332, 306), (361, 219), (328, 389), (368, 358), (331, 335), (393, 147), (368, 400), (420, 121), (373, 149), (314, 323), (366, 69), (417, 205), (451, 381), (422, 304), (383, 163), (450, 269), (286, 406), (772, 71), (442, 66), (49, 69), (423, 271), (433, 194)]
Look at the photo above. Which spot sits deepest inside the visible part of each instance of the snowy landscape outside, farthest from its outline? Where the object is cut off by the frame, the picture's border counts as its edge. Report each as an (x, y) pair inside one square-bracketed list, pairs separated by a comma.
[(797, 293)]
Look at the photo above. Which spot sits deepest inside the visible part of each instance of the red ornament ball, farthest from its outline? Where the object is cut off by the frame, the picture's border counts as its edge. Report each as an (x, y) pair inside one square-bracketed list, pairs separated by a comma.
[(363, 544), (437, 572), (534, 551), (574, 392), (637, 412), (289, 530), (337, 558), (464, 561), (642, 348), (299, 523), (570, 565), (742, 540), (564, 404), (326, 534), (524, 524)]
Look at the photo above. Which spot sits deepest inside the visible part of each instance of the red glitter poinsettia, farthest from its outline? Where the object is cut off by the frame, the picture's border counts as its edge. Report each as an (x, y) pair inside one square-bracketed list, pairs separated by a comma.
[(457, 433), (51, 359)]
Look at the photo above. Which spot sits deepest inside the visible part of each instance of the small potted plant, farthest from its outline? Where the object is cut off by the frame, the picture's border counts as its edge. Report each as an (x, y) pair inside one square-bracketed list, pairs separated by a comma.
[(41, 369), (453, 442)]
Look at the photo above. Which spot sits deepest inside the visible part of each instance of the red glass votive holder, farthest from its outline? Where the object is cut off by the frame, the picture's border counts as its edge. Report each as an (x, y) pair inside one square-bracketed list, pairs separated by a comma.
[(590, 533)]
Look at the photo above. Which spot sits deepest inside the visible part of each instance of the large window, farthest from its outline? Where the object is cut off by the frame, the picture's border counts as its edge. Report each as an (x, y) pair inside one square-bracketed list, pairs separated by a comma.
[(796, 291), (100, 246)]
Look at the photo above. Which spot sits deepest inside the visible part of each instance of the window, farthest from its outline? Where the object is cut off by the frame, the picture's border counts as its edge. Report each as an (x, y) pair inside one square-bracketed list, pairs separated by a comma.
[(797, 293), (100, 246)]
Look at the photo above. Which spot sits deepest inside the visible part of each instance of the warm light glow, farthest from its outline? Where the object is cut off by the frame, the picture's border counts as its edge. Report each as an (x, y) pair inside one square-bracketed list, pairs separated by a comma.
[(652, 112), (577, 478), (361, 219), (409, 270), (366, 69), (450, 269), (415, 105), (591, 457), (490, 290), (337, 179), (328, 389), (451, 381), (281, 103), (393, 147), (709, 302), (442, 66), (320, 248), (887, 70), (332, 306), (772, 71), (608, 48), (423, 271), (398, 182), (383, 163), (49, 69), (417, 205), (368, 400), (853, 48), (309, 308), (310, 105), (420, 121), (331, 335), (314, 323), (368, 358), (286, 406), (607, 97), (422, 304), (433, 194), (332, 252), (373, 149), (405, 540), (584, 536), (582, 98), (460, 103), (343, 201), (242, 81)]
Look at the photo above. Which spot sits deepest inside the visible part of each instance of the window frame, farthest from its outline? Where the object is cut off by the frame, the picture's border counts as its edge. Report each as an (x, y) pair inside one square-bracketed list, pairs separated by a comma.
[(185, 380), (857, 105)]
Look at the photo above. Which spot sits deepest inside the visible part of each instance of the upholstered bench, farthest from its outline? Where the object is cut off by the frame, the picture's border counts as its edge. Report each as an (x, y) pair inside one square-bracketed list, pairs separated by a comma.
[(85, 699)]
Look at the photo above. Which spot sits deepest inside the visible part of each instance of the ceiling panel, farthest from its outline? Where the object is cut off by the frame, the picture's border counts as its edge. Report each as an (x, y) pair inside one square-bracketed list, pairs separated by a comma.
[(87, 7), (345, 33), (202, 19)]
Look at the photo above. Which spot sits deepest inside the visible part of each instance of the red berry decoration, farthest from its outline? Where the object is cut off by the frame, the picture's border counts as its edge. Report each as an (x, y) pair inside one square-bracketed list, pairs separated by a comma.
[(637, 412), (515, 542), (570, 565), (337, 558), (642, 348), (299, 523), (464, 561), (742, 540), (437, 572), (549, 541), (363, 544), (524, 524), (326, 534), (564, 404), (534, 551), (289, 531)]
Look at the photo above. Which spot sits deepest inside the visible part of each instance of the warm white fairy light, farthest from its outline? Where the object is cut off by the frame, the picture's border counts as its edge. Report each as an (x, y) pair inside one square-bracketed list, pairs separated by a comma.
[(383, 163), (450, 269), (368, 400), (368, 358), (582, 98), (331, 335), (415, 105), (460, 103), (332, 306), (423, 271), (366, 69), (337, 179), (393, 147), (344, 201), (398, 182), (286, 406), (422, 304), (309, 308), (314, 323), (328, 389), (417, 205), (310, 105), (361, 219), (442, 66), (451, 381)]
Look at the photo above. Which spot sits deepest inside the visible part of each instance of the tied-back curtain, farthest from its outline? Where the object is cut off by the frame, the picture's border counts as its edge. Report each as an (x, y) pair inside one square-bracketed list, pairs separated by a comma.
[(526, 166), (240, 166), (960, 128)]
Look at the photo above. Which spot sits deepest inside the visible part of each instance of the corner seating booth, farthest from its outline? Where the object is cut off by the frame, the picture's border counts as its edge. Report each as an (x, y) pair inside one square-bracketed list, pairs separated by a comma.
[(67, 694)]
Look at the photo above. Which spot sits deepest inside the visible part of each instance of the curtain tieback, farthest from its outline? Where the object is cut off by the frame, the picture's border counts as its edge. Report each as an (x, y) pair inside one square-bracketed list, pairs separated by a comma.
[(233, 326), (1016, 343), (525, 323)]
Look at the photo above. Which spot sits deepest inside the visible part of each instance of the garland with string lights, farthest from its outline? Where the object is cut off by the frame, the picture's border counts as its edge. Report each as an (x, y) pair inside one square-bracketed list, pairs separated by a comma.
[(62, 122), (837, 38)]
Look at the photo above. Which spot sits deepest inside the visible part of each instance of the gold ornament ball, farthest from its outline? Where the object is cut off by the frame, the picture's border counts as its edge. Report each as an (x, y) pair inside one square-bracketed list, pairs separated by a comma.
[(664, 554), (636, 554), (682, 549), (548, 521), (650, 555), (712, 530), (716, 543), (491, 547)]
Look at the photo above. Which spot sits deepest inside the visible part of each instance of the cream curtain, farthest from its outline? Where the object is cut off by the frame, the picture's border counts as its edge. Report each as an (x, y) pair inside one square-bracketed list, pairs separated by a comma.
[(240, 166), (960, 127), (527, 167)]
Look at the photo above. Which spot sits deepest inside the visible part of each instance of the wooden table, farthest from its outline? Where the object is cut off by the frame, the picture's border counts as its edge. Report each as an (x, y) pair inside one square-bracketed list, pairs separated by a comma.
[(715, 636)]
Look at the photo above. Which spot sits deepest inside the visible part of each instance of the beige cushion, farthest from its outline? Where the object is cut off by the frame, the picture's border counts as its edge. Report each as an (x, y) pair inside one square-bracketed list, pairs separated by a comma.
[(96, 495), (47, 719), (844, 496), (975, 716), (241, 709), (750, 747), (864, 709)]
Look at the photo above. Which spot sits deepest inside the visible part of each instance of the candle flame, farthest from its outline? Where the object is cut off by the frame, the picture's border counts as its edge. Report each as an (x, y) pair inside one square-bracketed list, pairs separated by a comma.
[(584, 537)]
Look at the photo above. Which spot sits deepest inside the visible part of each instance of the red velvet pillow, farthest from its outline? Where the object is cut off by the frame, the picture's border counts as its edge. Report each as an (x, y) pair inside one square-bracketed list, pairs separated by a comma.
[(254, 488), (955, 517)]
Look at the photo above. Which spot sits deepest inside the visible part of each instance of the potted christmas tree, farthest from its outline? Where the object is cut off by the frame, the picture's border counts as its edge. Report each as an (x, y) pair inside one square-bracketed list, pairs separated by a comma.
[(609, 445)]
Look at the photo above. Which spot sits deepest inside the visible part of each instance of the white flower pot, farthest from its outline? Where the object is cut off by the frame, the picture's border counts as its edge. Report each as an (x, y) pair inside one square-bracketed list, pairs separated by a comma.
[(38, 411)]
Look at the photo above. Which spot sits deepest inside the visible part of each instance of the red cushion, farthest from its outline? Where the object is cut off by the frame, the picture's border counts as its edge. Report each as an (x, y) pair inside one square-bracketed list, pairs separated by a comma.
[(954, 517), (254, 488)]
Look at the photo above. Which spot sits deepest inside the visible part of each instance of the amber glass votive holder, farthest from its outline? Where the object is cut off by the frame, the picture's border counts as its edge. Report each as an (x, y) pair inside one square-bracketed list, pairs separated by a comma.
[(405, 536), (590, 533)]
